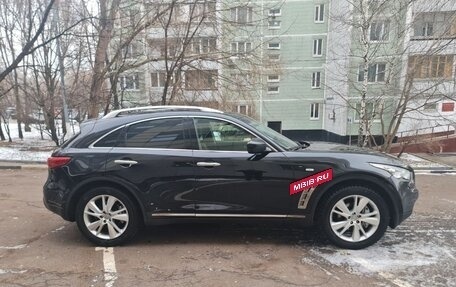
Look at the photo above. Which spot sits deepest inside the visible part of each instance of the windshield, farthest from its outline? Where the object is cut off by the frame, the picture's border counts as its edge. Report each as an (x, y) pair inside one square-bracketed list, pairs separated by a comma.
[(270, 134)]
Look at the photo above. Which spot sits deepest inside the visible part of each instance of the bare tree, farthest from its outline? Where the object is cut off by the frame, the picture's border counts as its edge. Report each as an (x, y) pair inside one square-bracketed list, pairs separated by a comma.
[(381, 87)]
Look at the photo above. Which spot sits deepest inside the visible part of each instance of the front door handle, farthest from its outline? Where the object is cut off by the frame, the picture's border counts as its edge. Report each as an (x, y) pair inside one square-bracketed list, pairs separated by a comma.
[(125, 163), (207, 164)]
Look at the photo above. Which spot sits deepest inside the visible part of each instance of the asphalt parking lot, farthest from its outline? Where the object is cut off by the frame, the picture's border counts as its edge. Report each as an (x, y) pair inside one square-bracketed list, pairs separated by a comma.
[(38, 248)]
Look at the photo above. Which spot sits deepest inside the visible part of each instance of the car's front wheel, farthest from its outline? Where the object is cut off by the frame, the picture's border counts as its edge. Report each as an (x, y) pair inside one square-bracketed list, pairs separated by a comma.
[(354, 217), (106, 216)]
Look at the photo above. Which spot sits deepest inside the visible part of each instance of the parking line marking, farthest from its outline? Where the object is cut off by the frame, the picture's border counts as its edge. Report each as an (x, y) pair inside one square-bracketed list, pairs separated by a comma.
[(109, 265), (13, 247)]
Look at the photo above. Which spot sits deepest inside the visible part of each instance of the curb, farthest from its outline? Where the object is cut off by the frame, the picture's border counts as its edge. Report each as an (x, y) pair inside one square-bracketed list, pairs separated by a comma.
[(434, 171), (25, 165), (434, 161), (10, 167)]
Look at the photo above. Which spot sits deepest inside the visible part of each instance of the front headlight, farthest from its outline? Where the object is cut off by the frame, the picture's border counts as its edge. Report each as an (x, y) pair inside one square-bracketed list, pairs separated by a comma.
[(397, 172)]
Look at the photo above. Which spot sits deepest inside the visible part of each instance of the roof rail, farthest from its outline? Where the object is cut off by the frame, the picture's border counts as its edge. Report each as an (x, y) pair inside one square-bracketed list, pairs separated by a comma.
[(145, 109)]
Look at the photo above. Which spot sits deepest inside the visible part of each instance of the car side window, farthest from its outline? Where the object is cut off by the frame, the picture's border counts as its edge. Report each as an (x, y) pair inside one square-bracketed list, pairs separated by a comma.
[(160, 133), (215, 134)]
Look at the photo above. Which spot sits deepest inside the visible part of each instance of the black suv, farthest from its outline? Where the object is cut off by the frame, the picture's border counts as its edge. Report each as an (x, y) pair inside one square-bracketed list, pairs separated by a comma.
[(141, 166)]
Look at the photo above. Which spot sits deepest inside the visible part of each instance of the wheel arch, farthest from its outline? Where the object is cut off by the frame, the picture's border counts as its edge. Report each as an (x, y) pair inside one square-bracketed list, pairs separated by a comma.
[(382, 187), (80, 189)]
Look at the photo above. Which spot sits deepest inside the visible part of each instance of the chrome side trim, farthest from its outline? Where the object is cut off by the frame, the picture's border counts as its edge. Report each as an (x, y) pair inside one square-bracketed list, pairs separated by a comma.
[(226, 215), (305, 197), (173, 215)]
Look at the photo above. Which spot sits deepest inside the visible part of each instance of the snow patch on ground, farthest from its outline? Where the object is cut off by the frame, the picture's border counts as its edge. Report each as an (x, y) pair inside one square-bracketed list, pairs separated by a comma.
[(418, 162), (375, 259)]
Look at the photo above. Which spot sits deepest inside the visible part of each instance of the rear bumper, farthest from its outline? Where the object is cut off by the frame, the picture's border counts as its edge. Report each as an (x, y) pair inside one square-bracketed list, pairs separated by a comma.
[(54, 199)]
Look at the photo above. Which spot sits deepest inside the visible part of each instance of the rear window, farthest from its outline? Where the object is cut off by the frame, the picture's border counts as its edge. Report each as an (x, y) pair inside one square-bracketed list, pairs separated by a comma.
[(69, 140), (110, 140), (160, 133)]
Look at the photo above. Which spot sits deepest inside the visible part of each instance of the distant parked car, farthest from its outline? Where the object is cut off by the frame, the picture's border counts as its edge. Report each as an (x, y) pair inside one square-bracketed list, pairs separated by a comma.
[(11, 113), (143, 166)]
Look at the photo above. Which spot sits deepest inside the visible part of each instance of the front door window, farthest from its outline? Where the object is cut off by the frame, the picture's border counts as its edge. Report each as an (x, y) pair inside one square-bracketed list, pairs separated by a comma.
[(219, 135)]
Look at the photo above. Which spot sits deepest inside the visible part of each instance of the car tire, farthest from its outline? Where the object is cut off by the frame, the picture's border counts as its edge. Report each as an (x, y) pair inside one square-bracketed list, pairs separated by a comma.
[(354, 217), (107, 216)]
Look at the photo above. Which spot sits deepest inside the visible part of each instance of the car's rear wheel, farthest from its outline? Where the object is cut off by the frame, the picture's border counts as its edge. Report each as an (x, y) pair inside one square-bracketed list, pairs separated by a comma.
[(354, 217), (107, 217)]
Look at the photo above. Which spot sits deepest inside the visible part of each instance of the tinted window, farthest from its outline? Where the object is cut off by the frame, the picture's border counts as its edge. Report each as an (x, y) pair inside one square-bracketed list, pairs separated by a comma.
[(109, 140), (270, 134), (162, 133), (220, 135)]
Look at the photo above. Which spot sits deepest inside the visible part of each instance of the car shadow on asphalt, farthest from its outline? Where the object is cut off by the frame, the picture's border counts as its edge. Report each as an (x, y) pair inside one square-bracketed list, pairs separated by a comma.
[(230, 233)]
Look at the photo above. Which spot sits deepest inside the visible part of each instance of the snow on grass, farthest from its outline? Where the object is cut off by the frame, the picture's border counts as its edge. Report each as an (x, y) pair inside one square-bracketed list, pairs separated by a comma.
[(12, 154), (34, 147)]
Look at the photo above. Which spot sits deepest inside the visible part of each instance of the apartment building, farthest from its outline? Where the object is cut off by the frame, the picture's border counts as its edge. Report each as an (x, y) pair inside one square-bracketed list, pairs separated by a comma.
[(431, 55), (291, 43), (175, 59), (299, 65)]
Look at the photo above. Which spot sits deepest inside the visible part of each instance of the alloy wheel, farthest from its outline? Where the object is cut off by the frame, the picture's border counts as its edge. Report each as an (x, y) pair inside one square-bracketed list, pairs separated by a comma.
[(106, 217), (354, 218)]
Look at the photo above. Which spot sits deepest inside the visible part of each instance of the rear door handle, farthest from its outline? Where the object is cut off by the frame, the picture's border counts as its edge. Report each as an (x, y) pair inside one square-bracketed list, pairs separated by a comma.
[(125, 163), (207, 164)]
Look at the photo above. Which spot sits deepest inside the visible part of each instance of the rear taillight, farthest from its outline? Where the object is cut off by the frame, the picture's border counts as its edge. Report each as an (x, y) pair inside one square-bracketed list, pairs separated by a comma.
[(57, 161)]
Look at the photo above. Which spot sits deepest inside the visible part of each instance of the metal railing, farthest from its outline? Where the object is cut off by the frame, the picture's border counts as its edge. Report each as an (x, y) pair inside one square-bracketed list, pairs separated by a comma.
[(427, 133)]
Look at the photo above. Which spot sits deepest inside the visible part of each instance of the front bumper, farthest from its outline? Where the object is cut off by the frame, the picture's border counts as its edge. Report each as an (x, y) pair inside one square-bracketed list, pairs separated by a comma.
[(409, 195)]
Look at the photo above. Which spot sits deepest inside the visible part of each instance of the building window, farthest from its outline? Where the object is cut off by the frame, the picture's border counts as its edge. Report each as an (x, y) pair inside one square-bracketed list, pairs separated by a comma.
[(131, 50), (430, 107), (274, 46), (425, 29), (241, 48), (314, 111), (203, 45), (434, 25), (241, 15), (203, 11), (370, 111), (316, 82), (273, 78), (158, 79), (379, 30), (431, 67), (319, 13), (274, 57), (274, 24), (201, 79), (277, 126), (275, 12), (448, 107), (317, 47), (273, 89), (129, 82), (375, 73), (243, 109)]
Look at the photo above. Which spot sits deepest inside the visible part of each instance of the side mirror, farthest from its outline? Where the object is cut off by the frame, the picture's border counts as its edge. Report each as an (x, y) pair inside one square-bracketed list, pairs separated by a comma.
[(256, 146)]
